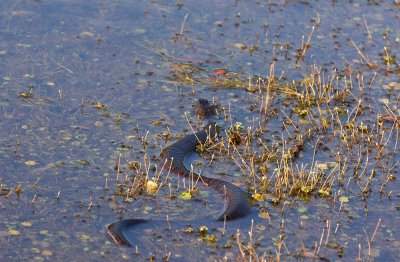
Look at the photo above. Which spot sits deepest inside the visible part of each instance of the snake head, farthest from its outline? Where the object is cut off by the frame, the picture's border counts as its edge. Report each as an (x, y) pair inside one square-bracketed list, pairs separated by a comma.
[(204, 109)]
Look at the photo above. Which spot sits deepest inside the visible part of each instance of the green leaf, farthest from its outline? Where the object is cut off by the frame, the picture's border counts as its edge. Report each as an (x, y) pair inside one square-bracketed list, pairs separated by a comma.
[(344, 199), (185, 196), (302, 209)]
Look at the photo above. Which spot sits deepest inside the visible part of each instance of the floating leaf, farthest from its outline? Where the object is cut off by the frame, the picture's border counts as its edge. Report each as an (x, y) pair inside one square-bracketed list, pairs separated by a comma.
[(344, 199), (157, 123), (26, 224), (258, 197), (44, 232), (220, 72), (134, 165), (50, 83), (47, 253), (392, 86), (165, 134), (98, 124), (302, 209), (59, 163), (363, 128), (210, 238), (306, 189), (203, 229), (324, 122), (128, 200), (264, 215), (30, 163), (333, 164), (83, 162), (24, 45), (204, 193), (100, 106), (167, 89), (389, 118), (218, 23), (35, 250), (261, 228), (240, 46), (3, 52), (324, 192), (18, 190), (228, 244), (303, 112), (148, 208), (118, 117), (85, 237), (384, 101), (4, 191), (185, 196), (151, 187), (86, 34), (25, 95), (139, 31), (322, 166), (238, 126), (13, 232), (189, 230)]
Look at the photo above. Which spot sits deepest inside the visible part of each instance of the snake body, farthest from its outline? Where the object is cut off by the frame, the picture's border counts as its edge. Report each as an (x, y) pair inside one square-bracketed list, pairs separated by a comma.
[(237, 202)]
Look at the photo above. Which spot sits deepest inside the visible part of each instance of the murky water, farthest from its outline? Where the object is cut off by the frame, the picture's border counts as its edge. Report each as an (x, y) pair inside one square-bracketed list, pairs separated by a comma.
[(85, 85)]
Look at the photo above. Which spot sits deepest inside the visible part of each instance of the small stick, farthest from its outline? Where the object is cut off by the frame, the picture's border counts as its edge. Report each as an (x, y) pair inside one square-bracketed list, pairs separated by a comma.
[(63, 67), (224, 229), (119, 163), (366, 26), (33, 199), (387, 58), (169, 224), (362, 55), (376, 229), (251, 232), (183, 24), (369, 243), (271, 80), (239, 244), (306, 45), (35, 184), (90, 205), (320, 241), (336, 229), (328, 225)]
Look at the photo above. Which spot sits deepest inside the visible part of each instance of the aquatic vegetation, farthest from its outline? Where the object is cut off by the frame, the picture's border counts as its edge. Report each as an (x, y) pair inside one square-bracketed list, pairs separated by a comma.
[(307, 103)]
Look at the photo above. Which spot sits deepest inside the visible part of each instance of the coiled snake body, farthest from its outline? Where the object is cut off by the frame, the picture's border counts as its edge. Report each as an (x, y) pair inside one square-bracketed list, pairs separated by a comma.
[(237, 202)]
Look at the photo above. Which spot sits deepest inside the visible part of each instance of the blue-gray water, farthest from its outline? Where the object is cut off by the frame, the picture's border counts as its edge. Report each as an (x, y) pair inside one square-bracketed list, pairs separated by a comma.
[(87, 84)]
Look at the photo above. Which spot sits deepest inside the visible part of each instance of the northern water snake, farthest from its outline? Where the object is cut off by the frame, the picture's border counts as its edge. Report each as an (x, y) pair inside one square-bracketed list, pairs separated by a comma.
[(237, 202)]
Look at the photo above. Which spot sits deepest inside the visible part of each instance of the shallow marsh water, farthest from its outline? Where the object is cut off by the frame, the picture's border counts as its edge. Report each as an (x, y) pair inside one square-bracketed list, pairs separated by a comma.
[(85, 85)]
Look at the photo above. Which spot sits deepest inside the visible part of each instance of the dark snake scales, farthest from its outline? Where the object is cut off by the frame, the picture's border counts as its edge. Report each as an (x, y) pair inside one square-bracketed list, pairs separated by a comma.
[(237, 202)]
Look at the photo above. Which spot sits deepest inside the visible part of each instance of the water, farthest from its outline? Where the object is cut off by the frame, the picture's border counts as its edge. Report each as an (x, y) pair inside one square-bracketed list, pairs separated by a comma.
[(87, 85)]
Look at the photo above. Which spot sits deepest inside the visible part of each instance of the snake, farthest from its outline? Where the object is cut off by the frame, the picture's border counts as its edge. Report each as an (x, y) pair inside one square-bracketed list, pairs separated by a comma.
[(237, 202)]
